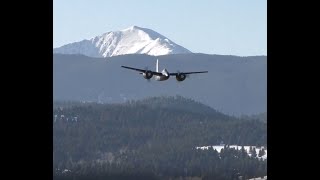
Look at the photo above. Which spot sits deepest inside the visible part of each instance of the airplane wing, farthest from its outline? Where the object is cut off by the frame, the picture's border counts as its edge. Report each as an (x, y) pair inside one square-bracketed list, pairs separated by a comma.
[(174, 74), (143, 70)]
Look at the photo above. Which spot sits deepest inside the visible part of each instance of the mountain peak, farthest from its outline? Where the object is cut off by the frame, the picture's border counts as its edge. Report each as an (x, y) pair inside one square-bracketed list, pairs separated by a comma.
[(132, 40), (131, 28)]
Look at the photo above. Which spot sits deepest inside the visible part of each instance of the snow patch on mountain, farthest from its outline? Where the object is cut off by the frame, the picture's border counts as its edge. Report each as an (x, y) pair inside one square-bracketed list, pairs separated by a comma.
[(246, 148)]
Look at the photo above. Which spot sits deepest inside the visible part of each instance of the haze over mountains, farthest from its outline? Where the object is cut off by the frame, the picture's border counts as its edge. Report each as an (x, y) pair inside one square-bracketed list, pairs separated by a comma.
[(234, 85), (133, 40)]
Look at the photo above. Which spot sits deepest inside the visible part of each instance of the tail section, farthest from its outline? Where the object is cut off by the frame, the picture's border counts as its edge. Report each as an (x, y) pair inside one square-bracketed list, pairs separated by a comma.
[(157, 66)]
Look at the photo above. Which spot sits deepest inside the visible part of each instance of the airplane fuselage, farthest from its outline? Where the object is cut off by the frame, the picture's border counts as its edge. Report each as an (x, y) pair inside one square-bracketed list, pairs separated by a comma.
[(165, 75)]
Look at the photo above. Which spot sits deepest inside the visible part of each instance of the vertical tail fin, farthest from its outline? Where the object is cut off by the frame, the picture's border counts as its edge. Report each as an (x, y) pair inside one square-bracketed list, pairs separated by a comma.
[(157, 66)]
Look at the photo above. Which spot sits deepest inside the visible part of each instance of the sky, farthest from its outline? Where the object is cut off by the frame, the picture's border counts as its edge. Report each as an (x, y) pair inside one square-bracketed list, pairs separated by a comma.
[(225, 27)]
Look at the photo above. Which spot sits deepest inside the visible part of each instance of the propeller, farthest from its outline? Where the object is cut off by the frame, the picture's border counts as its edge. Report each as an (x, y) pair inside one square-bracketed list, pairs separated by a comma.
[(178, 72), (186, 75), (146, 68)]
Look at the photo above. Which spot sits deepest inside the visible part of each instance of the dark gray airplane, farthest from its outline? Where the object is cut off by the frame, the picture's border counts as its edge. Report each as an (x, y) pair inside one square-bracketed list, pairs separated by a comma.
[(164, 74)]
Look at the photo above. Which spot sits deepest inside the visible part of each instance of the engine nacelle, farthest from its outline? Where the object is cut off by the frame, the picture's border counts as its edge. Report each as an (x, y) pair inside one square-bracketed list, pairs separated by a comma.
[(180, 77), (147, 75)]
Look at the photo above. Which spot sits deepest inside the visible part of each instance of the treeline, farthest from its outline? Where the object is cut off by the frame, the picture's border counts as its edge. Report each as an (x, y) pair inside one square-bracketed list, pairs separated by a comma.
[(139, 138)]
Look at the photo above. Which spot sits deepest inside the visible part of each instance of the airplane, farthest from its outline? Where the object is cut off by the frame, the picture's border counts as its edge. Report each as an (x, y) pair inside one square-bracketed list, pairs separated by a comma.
[(163, 75)]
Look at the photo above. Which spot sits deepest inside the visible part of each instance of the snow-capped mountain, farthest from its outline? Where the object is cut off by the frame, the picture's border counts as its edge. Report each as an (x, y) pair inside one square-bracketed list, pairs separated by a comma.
[(133, 40)]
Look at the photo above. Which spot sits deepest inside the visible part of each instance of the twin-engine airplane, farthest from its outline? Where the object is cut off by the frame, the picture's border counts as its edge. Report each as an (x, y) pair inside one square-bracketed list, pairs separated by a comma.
[(164, 74)]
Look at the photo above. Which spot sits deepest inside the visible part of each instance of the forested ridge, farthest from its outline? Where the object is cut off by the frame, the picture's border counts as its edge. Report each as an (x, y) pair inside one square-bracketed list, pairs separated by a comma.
[(154, 138)]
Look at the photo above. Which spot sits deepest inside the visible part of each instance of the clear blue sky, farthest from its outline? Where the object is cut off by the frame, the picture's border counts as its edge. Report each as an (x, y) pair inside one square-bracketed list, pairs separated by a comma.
[(227, 27)]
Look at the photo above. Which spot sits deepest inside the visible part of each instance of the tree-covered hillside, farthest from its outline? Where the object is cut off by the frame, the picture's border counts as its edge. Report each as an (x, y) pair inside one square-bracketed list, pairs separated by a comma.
[(155, 137)]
